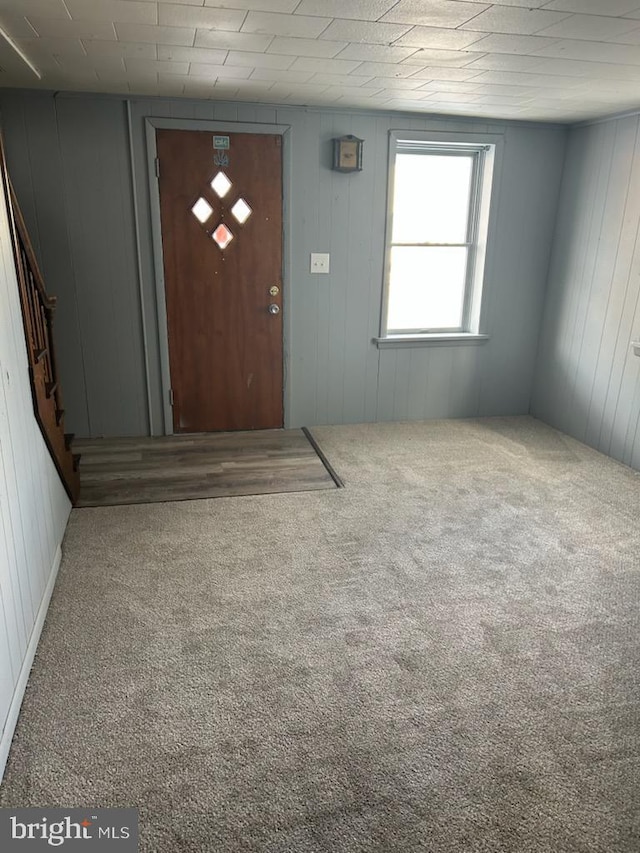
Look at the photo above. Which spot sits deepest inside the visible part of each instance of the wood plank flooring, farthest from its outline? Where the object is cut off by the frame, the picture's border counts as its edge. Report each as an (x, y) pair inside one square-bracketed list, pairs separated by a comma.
[(189, 467)]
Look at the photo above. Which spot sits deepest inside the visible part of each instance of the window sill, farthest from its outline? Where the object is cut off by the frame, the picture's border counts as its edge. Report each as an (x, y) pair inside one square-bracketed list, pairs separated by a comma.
[(456, 338)]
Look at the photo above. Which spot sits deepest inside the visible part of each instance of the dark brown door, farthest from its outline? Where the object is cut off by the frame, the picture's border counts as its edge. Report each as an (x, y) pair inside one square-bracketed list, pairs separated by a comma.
[(221, 212)]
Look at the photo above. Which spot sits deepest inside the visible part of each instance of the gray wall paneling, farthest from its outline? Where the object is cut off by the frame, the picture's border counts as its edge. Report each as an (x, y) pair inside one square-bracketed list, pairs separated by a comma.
[(98, 204), (30, 130), (587, 378), (69, 161), (336, 374)]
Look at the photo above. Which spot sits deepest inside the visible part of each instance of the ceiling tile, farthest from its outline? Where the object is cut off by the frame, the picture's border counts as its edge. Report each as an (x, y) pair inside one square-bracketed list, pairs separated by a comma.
[(448, 58), (330, 66), (17, 26), (593, 51), (358, 92), (169, 84), (505, 62), (448, 86), (121, 48), (104, 64), (204, 69), (594, 7), (433, 13), (542, 81), (525, 4), (232, 41), (394, 83), (452, 97), (157, 35), (57, 28), (361, 10), (145, 87), (339, 79), (514, 91), (609, 87), (512, 100), (258, 60), (527, 45), (438, 37), (376, 52), (452, 74), (386, 69), (171, 15), (364, 32), (300, 26), (629, 37), (502, 19), (273, 74), (43, 8), (407, 96), (306, 47), (580, 68), (191, 54), (118, 77), (147, 66), (35, 47), (195, 88), (128, 11), (594, 27), (254, 5), (303, 90)]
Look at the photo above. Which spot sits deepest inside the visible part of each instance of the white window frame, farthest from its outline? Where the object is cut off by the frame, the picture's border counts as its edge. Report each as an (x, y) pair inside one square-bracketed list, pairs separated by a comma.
[(484, 148)]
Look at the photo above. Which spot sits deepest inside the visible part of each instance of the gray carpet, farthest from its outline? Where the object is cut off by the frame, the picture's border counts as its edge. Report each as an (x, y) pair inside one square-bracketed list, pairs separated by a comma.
[(441, 657)]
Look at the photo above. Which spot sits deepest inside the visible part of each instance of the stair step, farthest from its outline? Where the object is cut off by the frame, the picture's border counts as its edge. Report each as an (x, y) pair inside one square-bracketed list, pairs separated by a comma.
[(51, 388), (68, 439), (39, 354), (76, 461), (59, 416)]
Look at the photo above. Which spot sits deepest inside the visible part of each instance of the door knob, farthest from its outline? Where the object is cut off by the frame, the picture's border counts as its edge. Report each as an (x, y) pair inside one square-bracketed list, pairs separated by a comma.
[(274, 309)]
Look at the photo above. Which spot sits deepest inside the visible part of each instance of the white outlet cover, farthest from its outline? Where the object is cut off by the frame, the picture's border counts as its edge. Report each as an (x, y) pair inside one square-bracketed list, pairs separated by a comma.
[(320, 262)]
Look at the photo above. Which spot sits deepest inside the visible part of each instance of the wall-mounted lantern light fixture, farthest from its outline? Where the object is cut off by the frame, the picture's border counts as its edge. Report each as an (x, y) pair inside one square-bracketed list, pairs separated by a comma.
[(347, 154)]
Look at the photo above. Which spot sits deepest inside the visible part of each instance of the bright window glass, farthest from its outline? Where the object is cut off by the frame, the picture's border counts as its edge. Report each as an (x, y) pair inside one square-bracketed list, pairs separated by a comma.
[(431, 198), (432, 274), (426, 287)]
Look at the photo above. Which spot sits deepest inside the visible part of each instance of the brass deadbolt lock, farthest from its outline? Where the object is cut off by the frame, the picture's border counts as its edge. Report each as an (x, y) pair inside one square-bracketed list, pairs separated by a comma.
[(275, 290)]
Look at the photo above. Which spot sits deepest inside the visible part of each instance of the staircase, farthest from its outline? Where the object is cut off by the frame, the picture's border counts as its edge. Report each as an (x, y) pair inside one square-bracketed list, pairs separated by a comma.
[(38, 311)]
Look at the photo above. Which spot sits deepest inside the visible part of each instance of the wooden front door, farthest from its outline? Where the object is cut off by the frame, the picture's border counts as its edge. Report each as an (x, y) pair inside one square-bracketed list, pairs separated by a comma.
[(221, 214)]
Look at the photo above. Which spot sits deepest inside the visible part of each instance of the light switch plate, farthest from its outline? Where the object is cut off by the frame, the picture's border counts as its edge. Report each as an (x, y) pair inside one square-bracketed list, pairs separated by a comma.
[(636, 347), (319, 262)]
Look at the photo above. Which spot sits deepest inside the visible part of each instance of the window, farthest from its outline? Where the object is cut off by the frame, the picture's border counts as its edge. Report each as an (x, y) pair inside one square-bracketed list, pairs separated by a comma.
[(436, 237)]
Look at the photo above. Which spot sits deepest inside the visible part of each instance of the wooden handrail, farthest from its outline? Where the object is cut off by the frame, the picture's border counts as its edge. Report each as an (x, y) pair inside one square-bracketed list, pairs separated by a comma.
[(27, 248), (38, 309)]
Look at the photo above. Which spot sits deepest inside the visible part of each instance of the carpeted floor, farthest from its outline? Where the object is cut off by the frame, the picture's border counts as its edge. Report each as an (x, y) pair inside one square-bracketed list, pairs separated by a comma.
[(444, 656)]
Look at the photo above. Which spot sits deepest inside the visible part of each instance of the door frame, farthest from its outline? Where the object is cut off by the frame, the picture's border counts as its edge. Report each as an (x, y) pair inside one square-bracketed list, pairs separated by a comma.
[(284, 130)]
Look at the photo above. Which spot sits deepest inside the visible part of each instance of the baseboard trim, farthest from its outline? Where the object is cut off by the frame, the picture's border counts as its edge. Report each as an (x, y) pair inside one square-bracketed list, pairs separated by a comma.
[(21, 685)]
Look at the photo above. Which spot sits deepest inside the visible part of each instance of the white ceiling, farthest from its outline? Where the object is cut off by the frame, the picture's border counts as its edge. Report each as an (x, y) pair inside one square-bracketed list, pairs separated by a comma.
[(552, 60)]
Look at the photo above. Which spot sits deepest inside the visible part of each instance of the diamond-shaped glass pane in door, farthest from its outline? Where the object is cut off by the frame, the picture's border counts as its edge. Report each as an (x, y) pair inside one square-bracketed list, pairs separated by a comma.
[(202, 210), (222, 236), (221, 185), (241, 211)]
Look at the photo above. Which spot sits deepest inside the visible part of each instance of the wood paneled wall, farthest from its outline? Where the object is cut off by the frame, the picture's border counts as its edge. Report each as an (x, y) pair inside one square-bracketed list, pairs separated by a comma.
[(588, 379), (335, 374), (69, 163), (33, 505)]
